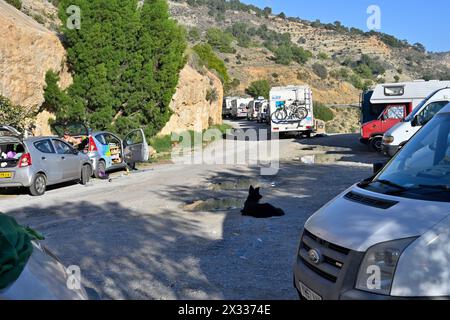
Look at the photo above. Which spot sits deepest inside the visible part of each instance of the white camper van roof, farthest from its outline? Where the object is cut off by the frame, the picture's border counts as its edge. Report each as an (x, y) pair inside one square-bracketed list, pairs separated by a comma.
[(406, 91), (304, 87)]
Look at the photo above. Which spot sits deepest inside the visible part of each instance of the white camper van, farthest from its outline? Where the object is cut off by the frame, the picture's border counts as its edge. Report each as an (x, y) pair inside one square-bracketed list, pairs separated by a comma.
[(387, 237), (291, 110), (255, 108), (239, 107), (424, 112)]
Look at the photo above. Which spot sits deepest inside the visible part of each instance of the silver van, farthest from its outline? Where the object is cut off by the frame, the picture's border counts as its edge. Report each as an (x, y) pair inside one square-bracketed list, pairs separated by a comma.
[(38, 162), (387, 237)]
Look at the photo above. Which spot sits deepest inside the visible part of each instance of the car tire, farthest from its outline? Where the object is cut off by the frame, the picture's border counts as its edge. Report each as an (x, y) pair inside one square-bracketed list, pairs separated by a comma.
[(39, 185), (86, 173), (101, 167), (375, 144)]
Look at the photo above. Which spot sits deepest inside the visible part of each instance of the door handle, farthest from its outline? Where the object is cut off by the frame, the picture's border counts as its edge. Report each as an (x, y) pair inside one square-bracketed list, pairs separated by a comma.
[(64, 158), (43, 158)]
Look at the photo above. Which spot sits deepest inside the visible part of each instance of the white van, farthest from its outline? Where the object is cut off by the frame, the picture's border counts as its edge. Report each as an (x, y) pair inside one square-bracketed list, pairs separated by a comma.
[(255, 108), (291, 110), (423, 113), (239, 107), (387, 237)]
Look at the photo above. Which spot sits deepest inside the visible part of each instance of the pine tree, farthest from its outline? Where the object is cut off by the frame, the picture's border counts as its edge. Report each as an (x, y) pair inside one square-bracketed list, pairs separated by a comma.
[(125, 61)]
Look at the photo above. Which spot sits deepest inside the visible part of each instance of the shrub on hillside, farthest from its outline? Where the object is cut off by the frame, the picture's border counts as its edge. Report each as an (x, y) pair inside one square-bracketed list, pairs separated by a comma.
[(212, 61), (14, 115), (322, 112), (15, 3), (259, 88), (220, 40)]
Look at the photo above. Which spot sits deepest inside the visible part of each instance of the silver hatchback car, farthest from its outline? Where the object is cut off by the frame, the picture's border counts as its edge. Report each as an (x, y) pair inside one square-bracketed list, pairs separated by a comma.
[(38, 162)]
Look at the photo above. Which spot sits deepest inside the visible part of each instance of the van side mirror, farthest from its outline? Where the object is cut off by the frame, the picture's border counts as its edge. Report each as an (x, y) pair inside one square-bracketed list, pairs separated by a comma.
[(377, 167), (415, 122)]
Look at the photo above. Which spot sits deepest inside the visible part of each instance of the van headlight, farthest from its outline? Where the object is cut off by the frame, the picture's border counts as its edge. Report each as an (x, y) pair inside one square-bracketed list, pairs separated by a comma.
[(377, 270), (388, 139)]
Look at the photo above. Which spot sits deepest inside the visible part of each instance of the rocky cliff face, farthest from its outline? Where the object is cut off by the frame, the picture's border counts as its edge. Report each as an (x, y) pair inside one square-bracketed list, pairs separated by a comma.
[(191, 110), (27, 51)]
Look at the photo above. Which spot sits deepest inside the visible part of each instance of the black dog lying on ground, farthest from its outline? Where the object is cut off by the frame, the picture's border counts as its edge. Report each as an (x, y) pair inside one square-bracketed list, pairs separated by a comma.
[(253, 208)]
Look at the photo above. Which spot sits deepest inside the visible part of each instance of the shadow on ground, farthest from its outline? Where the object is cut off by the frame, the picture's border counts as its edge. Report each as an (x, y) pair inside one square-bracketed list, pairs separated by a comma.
[(253, 259), (174, 254)]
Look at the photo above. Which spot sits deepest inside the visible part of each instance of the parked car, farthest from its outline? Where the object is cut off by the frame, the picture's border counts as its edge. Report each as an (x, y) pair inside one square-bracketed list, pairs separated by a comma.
[(424, 112), (105, 149), (388, 236), (44, 278), (38, 162)]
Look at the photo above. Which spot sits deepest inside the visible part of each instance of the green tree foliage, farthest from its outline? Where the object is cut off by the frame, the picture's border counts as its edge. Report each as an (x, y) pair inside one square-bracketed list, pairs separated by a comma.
[(15, 3), (220, 40), (14, 115), (322, 112), (259, 88), (126, 61), (212, 61), (366, 67)]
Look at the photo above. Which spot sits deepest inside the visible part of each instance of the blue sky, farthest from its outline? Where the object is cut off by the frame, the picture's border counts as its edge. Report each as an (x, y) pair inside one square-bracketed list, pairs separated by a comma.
[(427, 22)]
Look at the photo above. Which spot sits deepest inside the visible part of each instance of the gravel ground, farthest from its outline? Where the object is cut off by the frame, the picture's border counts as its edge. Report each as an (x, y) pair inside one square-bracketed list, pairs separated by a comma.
[(174, 231)]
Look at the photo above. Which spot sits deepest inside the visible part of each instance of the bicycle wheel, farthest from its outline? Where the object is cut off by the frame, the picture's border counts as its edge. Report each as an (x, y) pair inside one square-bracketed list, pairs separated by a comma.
[(279, 115), (301, 113)]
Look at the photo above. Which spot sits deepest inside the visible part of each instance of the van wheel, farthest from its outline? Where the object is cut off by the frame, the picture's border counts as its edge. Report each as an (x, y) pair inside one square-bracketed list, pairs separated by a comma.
[(39, 185), (101, 167), (375, 144), (86, 173)]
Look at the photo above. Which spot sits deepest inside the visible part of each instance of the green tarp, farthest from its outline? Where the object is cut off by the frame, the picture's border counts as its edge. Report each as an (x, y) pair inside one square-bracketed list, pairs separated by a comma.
[(15, 249)]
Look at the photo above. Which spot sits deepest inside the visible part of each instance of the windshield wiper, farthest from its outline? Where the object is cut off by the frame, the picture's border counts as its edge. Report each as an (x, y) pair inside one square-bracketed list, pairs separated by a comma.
[(442, 187), (385, 182)]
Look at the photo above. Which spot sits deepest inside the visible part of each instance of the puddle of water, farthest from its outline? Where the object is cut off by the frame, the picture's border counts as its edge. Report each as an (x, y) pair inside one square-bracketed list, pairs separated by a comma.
[(214, 205), (238, 184), (320, 158)]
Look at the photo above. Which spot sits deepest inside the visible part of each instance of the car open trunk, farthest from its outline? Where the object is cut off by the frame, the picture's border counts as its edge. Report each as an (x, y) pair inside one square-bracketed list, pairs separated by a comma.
[(11, 149)]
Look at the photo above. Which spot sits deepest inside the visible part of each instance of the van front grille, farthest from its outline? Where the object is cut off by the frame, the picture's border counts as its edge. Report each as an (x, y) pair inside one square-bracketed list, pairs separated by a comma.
[(333, 257)]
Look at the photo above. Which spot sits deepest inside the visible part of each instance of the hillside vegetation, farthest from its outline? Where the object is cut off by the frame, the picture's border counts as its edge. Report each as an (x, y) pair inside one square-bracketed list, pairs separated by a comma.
[(337, 61)]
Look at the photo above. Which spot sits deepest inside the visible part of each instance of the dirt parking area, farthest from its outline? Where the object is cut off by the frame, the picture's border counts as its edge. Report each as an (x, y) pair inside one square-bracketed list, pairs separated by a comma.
[(175, 231)]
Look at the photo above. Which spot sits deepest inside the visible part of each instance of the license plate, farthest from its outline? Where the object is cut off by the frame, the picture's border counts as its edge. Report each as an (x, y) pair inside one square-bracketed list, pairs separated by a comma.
[(308, 294), (5, 175)]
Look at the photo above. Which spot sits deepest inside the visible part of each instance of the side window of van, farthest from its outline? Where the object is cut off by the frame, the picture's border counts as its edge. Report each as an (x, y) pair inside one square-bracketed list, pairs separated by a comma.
[(430, 111)]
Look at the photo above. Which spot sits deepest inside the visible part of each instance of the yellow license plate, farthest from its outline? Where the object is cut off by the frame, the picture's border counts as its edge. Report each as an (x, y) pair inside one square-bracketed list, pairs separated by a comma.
[(5, 175)]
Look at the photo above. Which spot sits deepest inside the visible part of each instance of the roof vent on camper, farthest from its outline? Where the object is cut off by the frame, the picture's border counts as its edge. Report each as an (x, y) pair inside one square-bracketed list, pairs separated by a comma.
[(370, 201)]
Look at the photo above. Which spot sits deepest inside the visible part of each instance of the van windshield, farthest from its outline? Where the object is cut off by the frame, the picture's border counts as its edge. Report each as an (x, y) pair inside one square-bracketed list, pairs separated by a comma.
[(416, 110), (422, 167)]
